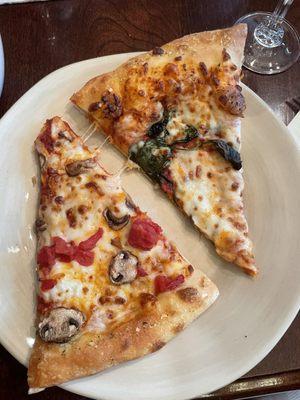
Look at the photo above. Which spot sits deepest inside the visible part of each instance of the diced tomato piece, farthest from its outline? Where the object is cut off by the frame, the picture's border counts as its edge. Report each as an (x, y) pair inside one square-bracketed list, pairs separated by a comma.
[(144, 234), (47, 284), (42, 306), (46, 257), (141, 272), (84, 257), (62, 248), (174, 283), (91, 242), (163, 283)]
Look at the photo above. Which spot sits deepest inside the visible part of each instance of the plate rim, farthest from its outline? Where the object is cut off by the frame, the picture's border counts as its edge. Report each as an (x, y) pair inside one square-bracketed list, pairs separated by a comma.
[(286, 320)]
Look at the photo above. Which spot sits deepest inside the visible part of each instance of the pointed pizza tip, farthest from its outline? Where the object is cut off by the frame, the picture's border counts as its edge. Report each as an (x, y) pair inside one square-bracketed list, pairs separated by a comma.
[(134, 98)]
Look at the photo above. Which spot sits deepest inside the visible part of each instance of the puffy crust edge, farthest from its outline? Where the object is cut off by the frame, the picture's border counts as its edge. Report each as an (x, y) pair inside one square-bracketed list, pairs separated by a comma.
[(91, 352), (207, 46)]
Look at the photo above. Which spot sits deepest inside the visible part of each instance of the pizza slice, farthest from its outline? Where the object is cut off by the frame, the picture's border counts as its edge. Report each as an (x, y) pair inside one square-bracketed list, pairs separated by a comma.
[(176, 112), (111, 286)]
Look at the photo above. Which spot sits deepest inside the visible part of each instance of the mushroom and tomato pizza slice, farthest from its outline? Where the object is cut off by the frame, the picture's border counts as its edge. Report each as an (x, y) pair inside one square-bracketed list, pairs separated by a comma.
[(176, 112), (111, 286)]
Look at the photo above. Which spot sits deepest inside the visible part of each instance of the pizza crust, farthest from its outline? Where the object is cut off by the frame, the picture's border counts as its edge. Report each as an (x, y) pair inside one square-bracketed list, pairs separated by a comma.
[(147, 332), (194, 48)]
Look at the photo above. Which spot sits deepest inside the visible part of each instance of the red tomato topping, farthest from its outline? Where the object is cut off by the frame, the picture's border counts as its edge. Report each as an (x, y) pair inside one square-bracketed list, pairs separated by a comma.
[(42, 306), (91, 242), (46, 137), (62, 247), (46, 257), (141, 272), (47, 284), (163, 283), (68, 251), (84, 257), (144, 234)]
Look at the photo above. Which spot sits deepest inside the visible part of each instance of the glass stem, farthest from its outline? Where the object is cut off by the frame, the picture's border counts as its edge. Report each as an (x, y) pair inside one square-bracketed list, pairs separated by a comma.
[(280, 11)]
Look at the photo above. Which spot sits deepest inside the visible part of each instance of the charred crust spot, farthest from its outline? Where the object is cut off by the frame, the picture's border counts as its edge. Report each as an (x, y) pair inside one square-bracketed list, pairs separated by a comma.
[(157, 346), (145, 67), (171, 69), (189, 294), (225, 55), (125, 344), (215, 80), (178, 328), (104, 300), (71, 217), (94, 186), (203, 69), (95, 106), (158, 51), (178, 58), (190, 269), (116, 242), (141, 93), (145, 324), (59, 200), (232, 100), (82, 209), (146, 298), (209, 175), (119, 300), (160, 85), (235, 186), (40, 225), (112, 105), (184, 67)]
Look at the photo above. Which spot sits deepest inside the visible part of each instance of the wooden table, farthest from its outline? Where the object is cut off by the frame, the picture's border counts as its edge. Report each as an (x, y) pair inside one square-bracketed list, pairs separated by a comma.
[(43, 36)]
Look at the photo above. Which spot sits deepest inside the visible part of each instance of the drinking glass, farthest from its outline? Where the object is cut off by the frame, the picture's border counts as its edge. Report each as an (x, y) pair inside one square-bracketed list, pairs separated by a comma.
[(272, 44)]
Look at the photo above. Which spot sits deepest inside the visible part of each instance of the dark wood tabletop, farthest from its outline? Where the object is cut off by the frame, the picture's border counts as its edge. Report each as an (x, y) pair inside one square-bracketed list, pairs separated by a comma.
[(40, 37)]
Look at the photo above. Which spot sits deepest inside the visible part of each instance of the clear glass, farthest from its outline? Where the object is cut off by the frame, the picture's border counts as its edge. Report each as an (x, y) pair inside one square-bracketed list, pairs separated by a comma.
[(272, 44)]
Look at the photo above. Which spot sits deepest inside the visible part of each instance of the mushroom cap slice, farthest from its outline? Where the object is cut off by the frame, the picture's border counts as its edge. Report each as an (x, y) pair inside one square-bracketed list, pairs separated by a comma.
[(60, 325), (123, 268), (114, 222), (78, 167)]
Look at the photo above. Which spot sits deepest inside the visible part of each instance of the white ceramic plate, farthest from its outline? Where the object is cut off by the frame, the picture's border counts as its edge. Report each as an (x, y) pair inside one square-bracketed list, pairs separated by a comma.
[(250, 315)]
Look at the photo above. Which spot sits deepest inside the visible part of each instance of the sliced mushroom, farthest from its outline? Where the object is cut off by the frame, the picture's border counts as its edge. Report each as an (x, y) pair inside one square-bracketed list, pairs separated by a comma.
[(60, 325), (80, 166), (115, 223), (123, 268)]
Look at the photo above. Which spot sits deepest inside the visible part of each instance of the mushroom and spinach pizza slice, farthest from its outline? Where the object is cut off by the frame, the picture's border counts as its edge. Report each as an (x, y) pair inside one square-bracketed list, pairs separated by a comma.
[(111, 286), (176, 112)]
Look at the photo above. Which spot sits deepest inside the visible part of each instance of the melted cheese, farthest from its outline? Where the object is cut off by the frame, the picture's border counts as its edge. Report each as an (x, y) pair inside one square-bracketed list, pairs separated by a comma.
[(211, 196), (88, 288)]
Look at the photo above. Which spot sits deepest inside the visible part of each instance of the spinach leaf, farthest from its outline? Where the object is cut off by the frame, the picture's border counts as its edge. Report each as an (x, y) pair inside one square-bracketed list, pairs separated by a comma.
[(228, 152), (160, 126), (153, 157), (190, 133)]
